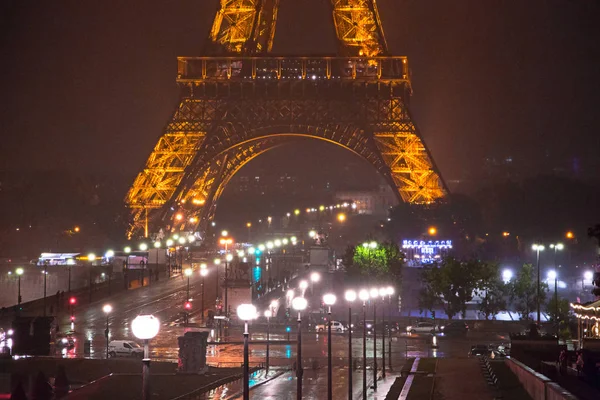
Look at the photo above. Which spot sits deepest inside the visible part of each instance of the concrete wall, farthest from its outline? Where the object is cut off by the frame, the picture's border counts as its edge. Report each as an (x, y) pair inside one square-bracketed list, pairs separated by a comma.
[(539, 386)]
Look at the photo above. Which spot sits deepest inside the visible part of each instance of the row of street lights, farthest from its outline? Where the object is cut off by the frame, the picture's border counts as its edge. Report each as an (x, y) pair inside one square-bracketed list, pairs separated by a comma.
[(247, 312)]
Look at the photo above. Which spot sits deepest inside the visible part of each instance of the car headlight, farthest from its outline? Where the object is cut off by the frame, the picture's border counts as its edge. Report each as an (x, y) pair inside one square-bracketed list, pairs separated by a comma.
[(64, 340), (369, 325), (408, 328)]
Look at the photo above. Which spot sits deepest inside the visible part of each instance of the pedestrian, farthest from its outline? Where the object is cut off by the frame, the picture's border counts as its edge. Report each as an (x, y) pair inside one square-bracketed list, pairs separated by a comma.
[(579, 363), (562, 362)]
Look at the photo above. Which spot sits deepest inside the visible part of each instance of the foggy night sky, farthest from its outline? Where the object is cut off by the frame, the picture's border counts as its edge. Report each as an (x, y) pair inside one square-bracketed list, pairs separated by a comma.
[(89, 85)]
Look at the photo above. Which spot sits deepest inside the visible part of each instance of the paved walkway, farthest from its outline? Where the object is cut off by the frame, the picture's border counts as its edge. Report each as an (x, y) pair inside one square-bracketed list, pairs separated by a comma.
[(460, 379)]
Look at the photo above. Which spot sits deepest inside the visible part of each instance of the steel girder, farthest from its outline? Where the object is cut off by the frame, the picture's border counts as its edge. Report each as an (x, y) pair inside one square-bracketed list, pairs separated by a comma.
[(244, 26), (248, 27)]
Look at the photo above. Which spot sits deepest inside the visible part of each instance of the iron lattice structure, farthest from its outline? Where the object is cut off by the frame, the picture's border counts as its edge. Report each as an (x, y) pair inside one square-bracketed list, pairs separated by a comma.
[(241, 101)]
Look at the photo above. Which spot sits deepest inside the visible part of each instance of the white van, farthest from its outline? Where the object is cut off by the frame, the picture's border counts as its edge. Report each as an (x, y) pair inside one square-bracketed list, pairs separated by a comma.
[(125, 348)]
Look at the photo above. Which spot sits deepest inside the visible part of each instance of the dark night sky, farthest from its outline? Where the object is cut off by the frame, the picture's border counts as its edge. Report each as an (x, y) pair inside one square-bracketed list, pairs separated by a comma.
[(89, 85)]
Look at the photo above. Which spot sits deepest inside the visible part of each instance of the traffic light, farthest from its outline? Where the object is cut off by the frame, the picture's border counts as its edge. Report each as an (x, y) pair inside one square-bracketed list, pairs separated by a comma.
[(72, 300), (433, 315), (188, 305), (72, 318)]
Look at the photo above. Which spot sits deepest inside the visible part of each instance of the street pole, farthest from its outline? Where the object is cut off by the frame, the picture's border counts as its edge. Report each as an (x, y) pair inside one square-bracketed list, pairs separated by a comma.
[(226, 284), (329, 388), (146, 371), (202, 299), (19, 293), (45, 273), (375, 344), (383, 338), (106, 335), (187, 298), (69, 280), (246, 369), (268, 341), (390, 335), (364, 349), (299, 370), (349, 353), (538, 287), (556, 303)]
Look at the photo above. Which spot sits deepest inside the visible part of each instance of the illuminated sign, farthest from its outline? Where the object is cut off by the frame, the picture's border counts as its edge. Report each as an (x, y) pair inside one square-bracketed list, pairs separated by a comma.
[(427, 245)]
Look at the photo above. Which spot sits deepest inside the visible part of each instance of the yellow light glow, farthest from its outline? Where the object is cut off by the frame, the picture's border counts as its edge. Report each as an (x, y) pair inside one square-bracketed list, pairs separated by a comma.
[(179, 217), (505, 234), (296, 212), (248, 224), (76, 229), (432, 230), (569, 235), (341, 217)]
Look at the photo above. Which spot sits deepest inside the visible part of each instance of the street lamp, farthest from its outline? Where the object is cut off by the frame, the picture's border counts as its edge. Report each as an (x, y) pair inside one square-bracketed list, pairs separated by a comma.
[(299, 304), (268, 315), (587, 276), (537, 248), (145, 327), (203, 273), (350, 296), (19, 272), (363, 295), (107, 310), (314, 278), (303, 285), (374, 292), (246, 312), (390, 292), (329, 300), (552, 275), (507, 275), (188, 273), (217, 261), (228, 259), (382, 294)]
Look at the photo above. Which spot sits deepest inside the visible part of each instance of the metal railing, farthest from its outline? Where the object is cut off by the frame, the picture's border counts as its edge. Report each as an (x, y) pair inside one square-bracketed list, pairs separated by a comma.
[(192, 69)]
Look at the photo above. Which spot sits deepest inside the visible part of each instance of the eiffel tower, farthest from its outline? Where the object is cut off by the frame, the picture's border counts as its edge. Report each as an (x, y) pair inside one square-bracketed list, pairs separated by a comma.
[(240, 101)]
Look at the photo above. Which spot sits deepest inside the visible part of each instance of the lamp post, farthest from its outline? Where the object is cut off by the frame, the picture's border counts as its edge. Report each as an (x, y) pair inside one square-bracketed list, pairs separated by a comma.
[(363, 295), (374, 294), (144, 247), (107, 310), (228, 259), (246, 312), (268, 315), (587, 276), (45, 276), (217, 261), (382, 293), (314, 278), (553, 275), (390, 293), (537, 248), (145, 327), (350, 296), (203, 273), (19, 272), (329, 300), (157, 246), (299, 304), (188, 272)]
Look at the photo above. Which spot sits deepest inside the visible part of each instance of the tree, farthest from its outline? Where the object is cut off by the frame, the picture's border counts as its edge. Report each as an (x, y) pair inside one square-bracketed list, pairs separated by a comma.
[(451, 285), (523, 292), (381, 262), (492, 290)]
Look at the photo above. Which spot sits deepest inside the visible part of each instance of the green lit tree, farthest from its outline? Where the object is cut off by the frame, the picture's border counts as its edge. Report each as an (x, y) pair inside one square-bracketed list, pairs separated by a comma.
[(374, 262)]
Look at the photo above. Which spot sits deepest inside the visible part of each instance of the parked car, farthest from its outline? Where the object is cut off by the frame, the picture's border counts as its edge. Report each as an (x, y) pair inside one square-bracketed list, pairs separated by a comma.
[(455, 327), (422, 327), (479, 350), (336, 326), (124, 348)]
